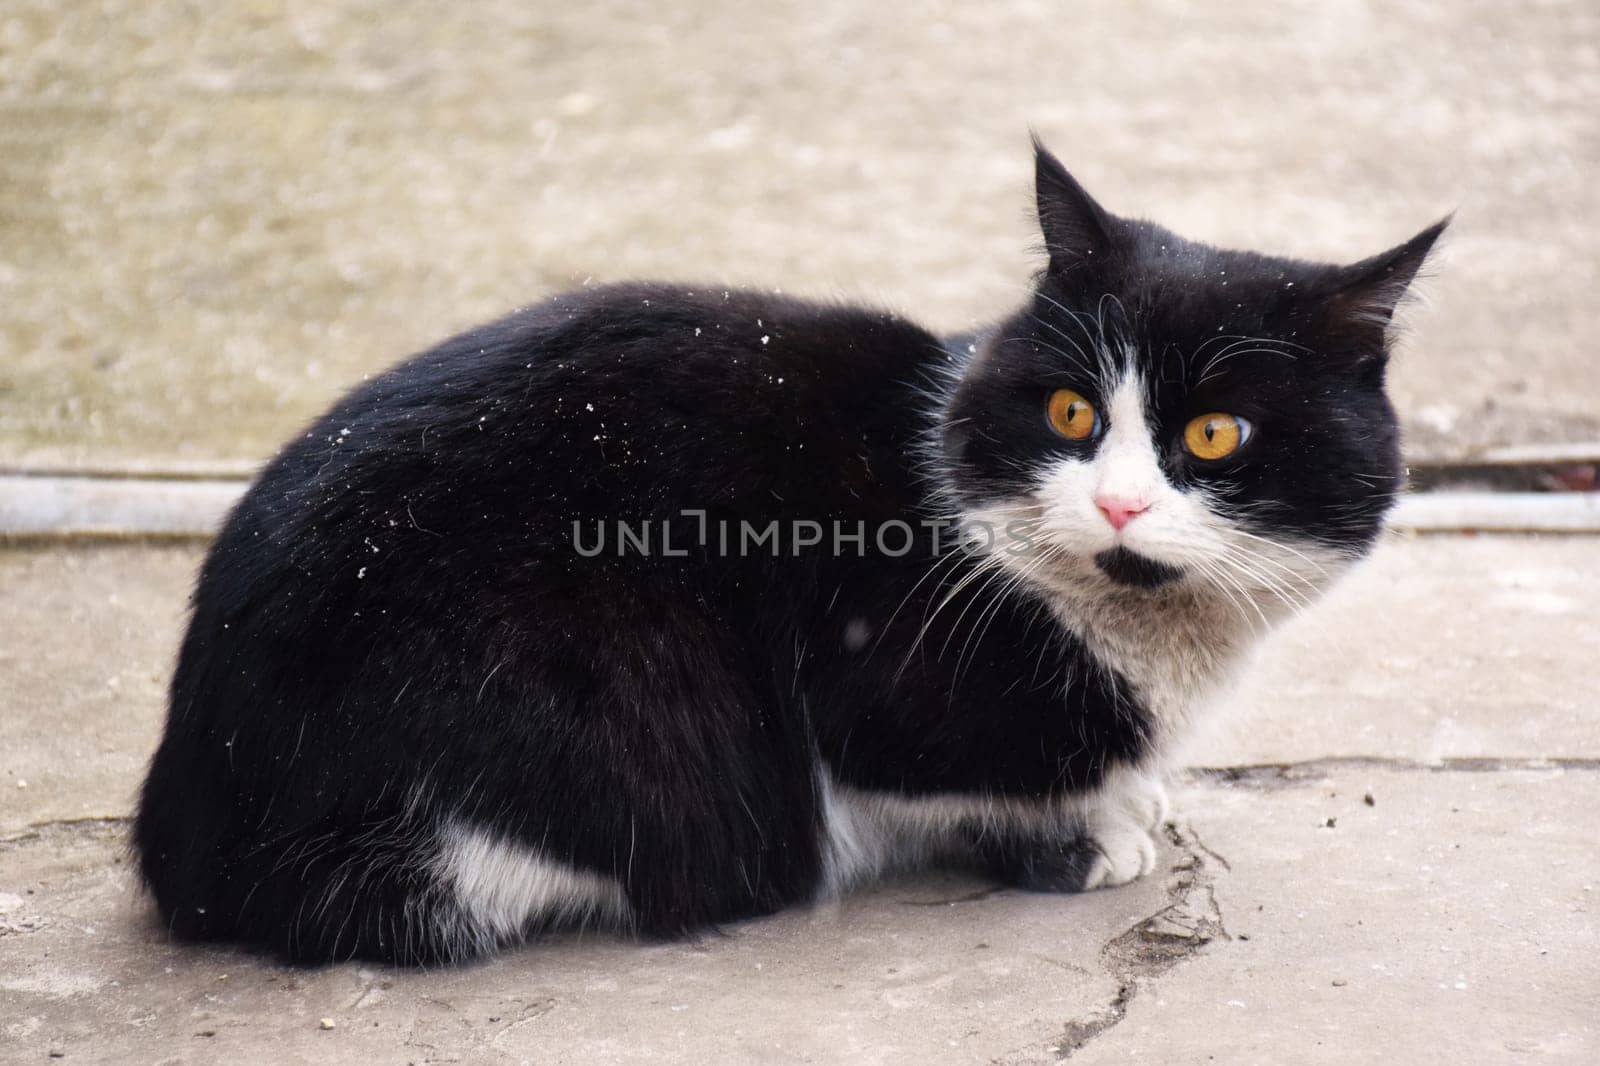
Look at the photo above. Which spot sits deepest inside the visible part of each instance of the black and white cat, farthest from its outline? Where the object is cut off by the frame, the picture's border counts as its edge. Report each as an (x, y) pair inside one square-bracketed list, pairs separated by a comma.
[(662, 607)]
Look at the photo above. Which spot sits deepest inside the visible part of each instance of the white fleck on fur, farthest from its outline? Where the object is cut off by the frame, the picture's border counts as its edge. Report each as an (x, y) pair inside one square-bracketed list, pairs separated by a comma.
[(868, 833), (503, 888)]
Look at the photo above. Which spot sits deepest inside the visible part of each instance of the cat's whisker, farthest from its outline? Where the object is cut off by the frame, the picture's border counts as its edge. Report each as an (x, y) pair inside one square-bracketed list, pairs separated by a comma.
[(1246, 569), (942, 560), (1216, 577), (1288, 573), (1045, 556), (996, 573), (1097, 343), (996, 600), (1259, 567), (1069, 356), (1241, 346), (1280, 546), (1238, 340), (985, 564)]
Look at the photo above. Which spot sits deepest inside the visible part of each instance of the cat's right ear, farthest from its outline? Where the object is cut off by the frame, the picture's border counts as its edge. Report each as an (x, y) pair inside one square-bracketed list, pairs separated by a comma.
[(1077, 231), (1368, 292)]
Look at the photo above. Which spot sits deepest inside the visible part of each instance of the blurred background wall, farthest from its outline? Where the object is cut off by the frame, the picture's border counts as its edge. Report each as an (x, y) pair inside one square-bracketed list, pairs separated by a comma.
[(216, 216)]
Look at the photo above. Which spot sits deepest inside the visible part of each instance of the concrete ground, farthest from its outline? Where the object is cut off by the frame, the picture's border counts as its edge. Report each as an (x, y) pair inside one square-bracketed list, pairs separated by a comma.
[(1386, 852), (215, 217)]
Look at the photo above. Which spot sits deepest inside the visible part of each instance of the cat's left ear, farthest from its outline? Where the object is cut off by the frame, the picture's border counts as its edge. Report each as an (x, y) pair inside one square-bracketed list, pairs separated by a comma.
[(1077, 231), (1365, 294)]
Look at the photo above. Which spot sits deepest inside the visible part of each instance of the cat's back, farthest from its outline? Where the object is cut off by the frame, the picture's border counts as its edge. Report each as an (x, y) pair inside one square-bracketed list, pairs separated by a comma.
[(621, 361), (649, 395), (456, 478)]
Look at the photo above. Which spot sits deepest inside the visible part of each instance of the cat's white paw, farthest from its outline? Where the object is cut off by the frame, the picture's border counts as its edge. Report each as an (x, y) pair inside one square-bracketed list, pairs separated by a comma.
[(1121, 821), (1146, 800), (1130, 794), (1125, 852)]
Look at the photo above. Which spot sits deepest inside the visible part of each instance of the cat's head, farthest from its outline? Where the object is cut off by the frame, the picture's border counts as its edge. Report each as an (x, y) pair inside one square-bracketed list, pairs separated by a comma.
[(1165, 414)]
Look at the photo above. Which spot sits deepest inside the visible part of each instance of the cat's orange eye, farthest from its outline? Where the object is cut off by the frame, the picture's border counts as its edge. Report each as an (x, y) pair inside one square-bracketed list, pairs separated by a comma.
[(1216, 435), (1071, 415)]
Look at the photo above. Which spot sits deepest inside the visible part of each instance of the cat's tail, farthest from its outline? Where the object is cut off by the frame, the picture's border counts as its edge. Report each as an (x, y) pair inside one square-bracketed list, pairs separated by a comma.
[(406, 886), (301, 906), (321, 890)]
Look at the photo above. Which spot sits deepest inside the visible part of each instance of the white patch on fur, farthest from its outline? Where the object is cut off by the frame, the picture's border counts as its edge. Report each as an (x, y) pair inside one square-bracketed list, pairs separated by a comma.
[(854, 847), (867, 834), (503, 888)]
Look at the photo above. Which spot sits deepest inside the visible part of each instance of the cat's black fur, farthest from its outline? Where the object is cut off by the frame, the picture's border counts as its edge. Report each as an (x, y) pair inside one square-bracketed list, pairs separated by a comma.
[(395, 628)]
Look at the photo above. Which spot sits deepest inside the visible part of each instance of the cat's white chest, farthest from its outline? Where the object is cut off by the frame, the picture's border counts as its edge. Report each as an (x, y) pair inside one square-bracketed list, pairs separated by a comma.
[(1178, 658)]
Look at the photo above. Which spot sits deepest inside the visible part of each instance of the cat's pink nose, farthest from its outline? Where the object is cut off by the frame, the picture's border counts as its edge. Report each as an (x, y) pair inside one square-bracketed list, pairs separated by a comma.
[(1120, 510)]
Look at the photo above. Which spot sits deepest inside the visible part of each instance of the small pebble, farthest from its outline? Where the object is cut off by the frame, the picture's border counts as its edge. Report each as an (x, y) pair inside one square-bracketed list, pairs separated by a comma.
[(1339, 982), (1368, 800), (326, 1023), (1331, 823)]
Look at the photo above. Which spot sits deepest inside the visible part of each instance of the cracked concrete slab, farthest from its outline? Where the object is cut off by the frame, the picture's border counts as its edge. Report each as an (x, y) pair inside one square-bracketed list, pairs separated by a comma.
[(916, 971), (87, 639), (1452, 920)]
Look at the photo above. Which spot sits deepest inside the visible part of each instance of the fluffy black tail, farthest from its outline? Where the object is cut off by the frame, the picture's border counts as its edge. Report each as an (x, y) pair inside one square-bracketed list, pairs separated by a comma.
[(328, 891)]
